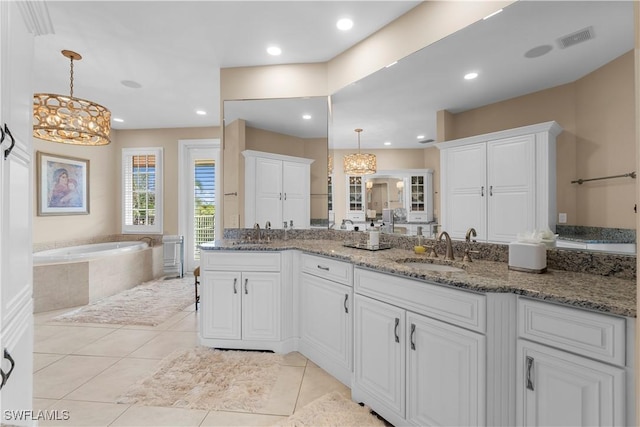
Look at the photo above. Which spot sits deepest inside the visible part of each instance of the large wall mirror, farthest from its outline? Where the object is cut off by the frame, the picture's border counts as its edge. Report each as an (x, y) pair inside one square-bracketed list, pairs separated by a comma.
[(571, 62), (295, 127)]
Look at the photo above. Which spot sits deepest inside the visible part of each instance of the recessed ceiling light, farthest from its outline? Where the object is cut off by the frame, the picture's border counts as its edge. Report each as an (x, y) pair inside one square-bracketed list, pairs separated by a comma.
[(201, 112), (116, 119), (344, 24), (306, 116), (420, 137), (131, 84), (492, 14), (274, 50), (538, 51), (387, 143), (470, 76)]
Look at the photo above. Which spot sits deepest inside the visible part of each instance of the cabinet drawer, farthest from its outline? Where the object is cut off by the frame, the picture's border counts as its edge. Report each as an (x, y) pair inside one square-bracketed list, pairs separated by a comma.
[(589, 334), (240, 261), (338, 271), (461, 308)]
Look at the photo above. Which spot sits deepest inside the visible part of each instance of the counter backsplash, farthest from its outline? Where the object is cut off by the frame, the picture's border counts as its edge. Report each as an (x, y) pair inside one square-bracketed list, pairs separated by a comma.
[(605, 264)]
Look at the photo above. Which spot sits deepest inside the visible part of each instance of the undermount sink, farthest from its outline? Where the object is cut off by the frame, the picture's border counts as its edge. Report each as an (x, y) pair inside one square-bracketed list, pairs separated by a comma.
[(433, 267), (250, 242)]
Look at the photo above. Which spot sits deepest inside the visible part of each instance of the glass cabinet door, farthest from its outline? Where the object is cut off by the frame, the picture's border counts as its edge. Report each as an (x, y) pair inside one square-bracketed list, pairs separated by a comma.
[(356, 201), (417, 193)]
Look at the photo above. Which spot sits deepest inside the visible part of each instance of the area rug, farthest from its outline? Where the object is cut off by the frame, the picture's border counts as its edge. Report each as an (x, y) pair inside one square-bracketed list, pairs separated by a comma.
[(204, 378), (148, 304), (332, 409)]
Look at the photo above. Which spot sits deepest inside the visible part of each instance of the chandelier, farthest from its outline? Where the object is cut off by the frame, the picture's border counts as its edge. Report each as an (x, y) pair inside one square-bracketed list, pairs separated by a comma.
[(359, 164), (69, 120)]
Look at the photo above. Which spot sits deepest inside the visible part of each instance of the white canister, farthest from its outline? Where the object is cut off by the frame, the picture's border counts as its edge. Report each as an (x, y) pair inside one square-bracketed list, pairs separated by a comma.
[(374, 238)]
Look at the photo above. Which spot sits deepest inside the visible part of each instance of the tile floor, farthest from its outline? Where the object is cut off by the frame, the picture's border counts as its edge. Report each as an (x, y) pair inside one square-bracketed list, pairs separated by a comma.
[(83, 368)]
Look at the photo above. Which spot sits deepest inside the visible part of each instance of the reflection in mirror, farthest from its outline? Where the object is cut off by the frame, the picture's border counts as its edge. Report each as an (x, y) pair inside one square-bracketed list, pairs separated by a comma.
[(294, 127), (424, 98)]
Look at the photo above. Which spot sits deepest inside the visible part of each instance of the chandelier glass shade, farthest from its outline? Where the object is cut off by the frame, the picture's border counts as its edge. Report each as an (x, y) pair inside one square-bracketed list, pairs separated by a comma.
[(360, 163), (70, 120)]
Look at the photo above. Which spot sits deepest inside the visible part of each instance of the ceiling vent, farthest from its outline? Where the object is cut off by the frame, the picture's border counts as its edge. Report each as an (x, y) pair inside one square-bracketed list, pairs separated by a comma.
[(575, 38)]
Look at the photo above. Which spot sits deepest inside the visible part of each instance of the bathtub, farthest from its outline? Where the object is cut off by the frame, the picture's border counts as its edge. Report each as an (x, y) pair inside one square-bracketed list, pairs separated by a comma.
[(79, 275)]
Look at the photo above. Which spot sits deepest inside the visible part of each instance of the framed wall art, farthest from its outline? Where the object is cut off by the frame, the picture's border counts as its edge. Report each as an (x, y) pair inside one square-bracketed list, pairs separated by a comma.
[(63, 185)]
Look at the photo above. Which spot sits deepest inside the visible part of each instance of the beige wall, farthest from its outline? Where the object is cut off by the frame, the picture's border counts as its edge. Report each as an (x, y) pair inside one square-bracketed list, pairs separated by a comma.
[(104, 181), (597, 115)]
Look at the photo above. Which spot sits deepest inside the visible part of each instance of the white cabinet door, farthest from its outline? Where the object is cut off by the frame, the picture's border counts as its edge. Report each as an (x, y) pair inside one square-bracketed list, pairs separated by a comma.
[(556, 388), (466, 190), (295, 188), (326, 318), (261, 306), (220, 298), (445, 374), (268, 192), (379, 354), (511, 174)]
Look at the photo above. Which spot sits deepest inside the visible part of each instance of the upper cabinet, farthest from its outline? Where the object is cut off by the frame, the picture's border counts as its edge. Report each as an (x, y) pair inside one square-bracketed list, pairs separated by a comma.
[(277, 190), (501, 183)]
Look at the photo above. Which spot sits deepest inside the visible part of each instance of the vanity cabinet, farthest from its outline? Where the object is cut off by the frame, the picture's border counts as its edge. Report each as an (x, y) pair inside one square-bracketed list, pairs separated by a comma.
[(415, 361), (501, 183), (240, 300), (571, 366), (277, 189), (326, 314)]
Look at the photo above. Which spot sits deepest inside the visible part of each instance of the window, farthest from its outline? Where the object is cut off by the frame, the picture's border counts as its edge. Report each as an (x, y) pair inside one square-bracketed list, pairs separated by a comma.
[(142, 190), (204, 203)]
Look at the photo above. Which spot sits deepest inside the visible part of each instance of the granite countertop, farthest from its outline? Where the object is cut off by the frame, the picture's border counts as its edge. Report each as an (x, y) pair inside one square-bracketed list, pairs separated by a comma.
[(601, 293)]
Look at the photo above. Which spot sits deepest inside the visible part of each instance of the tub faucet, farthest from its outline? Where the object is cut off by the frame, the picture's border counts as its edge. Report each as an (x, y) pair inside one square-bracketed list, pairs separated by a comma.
[(449, 248), (150, 240)]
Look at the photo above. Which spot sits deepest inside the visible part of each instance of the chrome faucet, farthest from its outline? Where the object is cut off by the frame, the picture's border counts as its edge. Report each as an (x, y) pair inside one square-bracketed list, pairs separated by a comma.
[(256, 235), (267, 226), (471, 232), (449, 248)]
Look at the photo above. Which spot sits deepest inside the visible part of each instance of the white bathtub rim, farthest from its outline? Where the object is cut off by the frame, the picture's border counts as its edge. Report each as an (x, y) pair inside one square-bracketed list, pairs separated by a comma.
[(79, 253)]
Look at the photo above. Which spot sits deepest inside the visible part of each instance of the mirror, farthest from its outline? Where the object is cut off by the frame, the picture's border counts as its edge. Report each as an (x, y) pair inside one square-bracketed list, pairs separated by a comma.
[(521, 80), (289, 126)]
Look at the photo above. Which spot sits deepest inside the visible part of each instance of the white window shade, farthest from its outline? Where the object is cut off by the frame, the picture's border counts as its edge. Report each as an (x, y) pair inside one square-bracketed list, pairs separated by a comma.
[(142, 190)]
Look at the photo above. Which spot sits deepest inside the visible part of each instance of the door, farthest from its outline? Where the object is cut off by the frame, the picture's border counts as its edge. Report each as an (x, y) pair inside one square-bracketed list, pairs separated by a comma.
[(465, 192), (511, 198), (326, 318), (269, 194), (379, 352), (199, 177), (562, 389), (445, 374), (295, 189), (261, 306), (220, 293)]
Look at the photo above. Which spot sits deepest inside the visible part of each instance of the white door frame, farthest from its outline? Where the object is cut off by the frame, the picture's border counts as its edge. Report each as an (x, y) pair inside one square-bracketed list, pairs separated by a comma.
[(185, 146)]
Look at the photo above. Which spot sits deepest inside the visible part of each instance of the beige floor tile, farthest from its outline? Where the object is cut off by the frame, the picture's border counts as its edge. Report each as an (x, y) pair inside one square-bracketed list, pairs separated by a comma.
[(316, 383), (165, 343), (172, 320), (294, 359), (223, 418), (46, 316), (155, 416), (118, 343), (284, 394), (114, 381), (42, 360), (70, 339), (188, 323), (83, 413), (62, 377), (41, 404)]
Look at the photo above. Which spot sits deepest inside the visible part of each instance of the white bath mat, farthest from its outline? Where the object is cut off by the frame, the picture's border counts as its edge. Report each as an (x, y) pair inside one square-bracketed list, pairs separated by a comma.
[(148, 304), (204, 378)]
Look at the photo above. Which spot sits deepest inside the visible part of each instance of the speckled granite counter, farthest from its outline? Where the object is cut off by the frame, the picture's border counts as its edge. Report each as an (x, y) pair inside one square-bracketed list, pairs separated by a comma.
[(606, 294)]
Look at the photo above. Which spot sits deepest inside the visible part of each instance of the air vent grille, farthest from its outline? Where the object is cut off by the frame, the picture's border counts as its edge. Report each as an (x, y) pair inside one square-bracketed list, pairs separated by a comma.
[(575, 38)]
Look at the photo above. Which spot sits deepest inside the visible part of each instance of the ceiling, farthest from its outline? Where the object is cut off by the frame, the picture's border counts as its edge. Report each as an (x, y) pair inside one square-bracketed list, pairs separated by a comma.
[(174, 49)]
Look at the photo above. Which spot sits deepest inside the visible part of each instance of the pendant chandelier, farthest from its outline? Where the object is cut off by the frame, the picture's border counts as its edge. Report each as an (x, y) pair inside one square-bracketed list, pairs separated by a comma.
[(359, 164), (69, 120)]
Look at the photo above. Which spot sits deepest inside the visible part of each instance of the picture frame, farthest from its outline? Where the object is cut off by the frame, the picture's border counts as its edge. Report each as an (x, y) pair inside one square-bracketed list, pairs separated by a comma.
[(63, 185)]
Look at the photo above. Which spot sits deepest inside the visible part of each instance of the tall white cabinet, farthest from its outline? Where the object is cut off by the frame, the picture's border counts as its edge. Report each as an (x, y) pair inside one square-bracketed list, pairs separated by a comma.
[(277, 189), (501, 183), (16, 184)]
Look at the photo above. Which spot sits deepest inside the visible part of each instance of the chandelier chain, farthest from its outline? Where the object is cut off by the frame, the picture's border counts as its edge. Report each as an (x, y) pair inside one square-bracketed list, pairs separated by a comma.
[(71, 82)]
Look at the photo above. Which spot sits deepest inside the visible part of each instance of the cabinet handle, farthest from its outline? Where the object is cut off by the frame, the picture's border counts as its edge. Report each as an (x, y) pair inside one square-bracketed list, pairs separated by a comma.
[(491, 190), (8, 151), (285, 196), (396, 329), (246, 291), (529, 368), (322, 267), (413, 331), (346, 298), (5, 377), (280, 196), (2, 136), (235, 283), (482, 191)]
